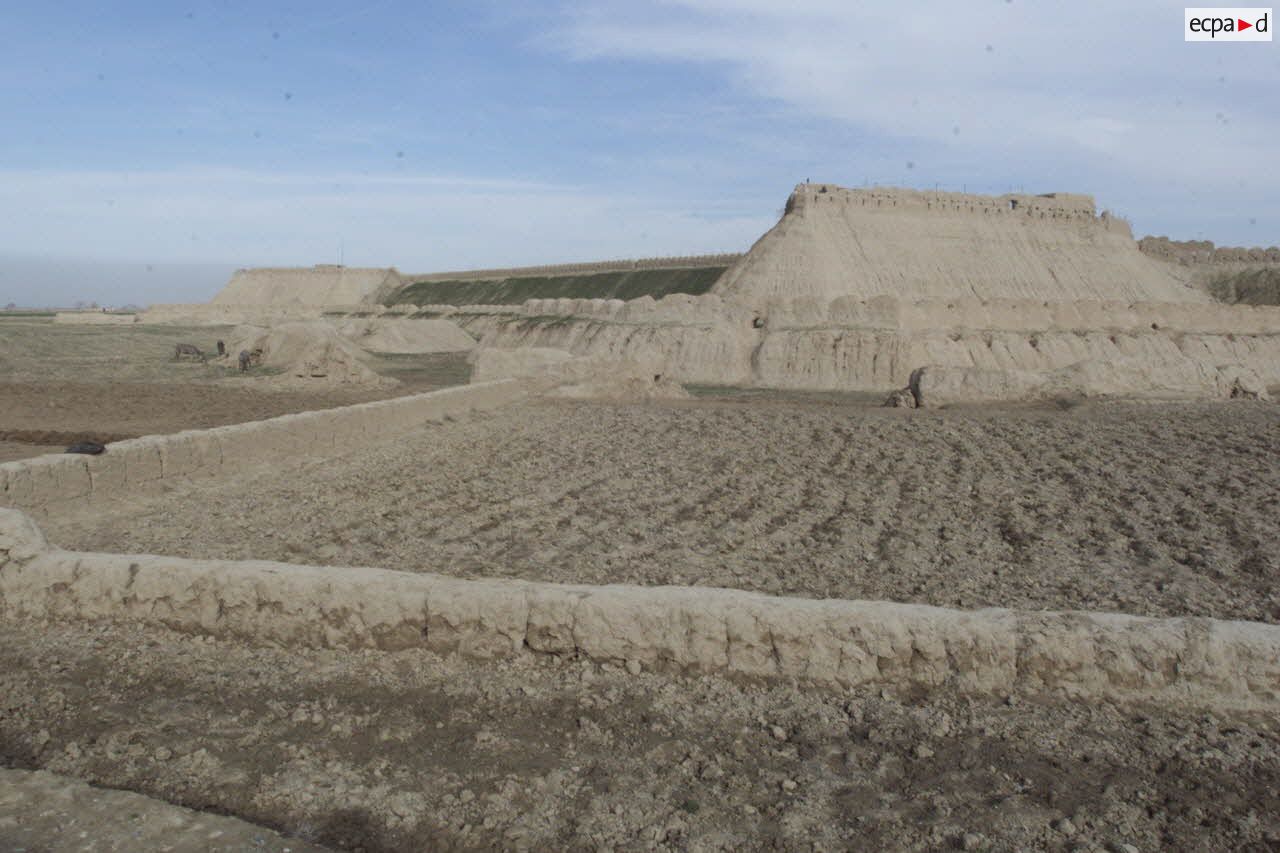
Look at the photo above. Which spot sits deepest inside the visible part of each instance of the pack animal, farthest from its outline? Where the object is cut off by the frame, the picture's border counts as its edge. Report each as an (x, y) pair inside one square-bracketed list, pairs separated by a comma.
[(244, 361), (179, 350), (222, 350)]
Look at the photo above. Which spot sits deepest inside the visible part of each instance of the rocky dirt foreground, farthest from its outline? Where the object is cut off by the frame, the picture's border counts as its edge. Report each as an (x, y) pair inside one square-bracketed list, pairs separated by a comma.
[(411, 751)]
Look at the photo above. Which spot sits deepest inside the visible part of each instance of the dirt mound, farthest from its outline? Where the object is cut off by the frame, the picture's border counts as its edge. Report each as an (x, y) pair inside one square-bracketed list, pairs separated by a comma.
[(312, 351), (406, 336)]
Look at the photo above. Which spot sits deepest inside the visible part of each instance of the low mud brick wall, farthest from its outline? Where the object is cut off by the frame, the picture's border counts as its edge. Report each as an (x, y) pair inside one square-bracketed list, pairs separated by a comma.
[(1202, 662), (141, 465)]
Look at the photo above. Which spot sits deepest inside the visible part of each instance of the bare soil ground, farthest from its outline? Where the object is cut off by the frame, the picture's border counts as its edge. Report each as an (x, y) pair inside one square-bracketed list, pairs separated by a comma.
[(1157, 509), (42, 812), (1154, 509), (60, 384), (411, 751)]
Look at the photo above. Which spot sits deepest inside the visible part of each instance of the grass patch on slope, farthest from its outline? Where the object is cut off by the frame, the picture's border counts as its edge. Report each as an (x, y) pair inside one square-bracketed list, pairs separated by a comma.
[(622, 284)]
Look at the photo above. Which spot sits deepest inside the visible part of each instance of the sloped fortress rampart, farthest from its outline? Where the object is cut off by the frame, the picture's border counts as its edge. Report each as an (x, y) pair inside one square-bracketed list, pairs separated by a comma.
[(913, 245), (857, 289)]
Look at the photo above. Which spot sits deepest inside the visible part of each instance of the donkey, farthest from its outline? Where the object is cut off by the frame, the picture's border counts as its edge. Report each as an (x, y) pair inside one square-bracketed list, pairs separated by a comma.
[(179, 350), (244, 360)]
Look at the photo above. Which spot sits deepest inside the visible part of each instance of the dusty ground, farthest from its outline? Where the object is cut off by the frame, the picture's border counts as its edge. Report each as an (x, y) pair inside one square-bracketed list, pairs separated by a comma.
[(42, 812), (60, 384), (1170, 509), (410, 751), (1159, 509)]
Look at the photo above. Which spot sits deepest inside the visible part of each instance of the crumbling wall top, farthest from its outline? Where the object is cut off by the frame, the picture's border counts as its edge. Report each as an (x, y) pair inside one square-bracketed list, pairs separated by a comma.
[(1056, 204)]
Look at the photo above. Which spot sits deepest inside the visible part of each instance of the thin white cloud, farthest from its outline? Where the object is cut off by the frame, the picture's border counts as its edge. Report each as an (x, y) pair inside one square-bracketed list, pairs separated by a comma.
[(1015, 90)]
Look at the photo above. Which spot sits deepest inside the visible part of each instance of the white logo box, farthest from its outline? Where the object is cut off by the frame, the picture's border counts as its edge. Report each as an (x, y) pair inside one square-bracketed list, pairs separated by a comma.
[(1227, 24)]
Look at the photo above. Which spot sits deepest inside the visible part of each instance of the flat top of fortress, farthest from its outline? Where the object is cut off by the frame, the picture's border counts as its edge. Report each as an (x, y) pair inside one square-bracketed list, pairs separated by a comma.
[(1075, 203)]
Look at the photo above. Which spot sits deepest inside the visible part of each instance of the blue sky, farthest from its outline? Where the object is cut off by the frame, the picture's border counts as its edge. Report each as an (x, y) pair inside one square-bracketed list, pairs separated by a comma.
[(198, 137)]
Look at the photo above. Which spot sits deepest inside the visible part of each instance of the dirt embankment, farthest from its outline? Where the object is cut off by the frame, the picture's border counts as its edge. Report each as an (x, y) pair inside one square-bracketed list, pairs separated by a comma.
[(1151, 509), (41, 417)]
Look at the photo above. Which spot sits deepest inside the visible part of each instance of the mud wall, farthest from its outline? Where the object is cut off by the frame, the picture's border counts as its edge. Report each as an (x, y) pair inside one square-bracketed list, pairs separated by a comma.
[(831, 642), (144, 465)]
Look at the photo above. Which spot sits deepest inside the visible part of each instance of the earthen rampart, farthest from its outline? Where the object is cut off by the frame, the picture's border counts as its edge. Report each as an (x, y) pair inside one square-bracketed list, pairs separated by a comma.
[(1191, 662), (919, 245), (145, 465)]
